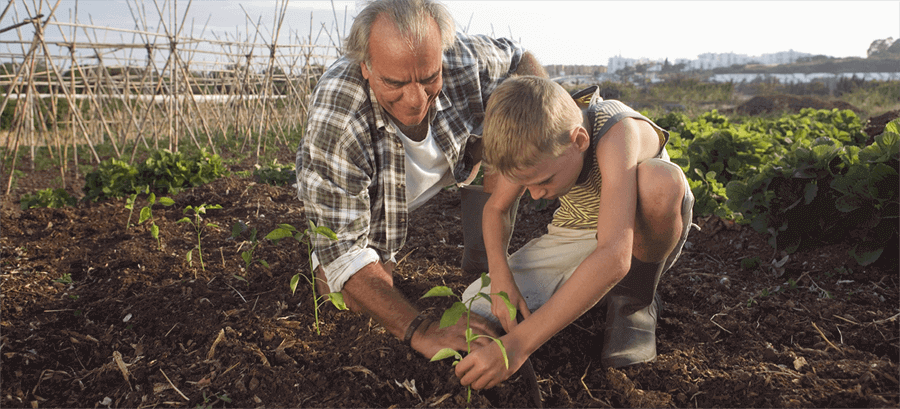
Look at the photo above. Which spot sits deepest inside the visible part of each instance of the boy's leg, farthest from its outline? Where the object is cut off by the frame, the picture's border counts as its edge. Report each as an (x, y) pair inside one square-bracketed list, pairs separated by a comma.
[(633, 304), (540, 267), (472, 200)]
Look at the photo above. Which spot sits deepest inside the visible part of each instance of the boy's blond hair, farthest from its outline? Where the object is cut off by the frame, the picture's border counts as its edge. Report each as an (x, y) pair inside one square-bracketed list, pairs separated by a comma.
[(528, 119)]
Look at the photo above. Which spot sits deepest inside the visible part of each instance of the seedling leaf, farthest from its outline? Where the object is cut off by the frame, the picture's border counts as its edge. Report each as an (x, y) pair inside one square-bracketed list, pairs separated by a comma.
[(453, 314), (294, 281), (446, 353), (502, 352), (337, 299), (145, 214), (438, 291)]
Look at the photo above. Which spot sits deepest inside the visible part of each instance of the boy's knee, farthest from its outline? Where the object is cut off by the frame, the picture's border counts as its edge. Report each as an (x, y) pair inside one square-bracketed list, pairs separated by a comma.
[(661, 187)]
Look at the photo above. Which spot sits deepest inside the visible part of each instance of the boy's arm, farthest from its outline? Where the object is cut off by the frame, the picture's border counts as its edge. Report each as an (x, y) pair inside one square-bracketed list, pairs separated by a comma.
[(494, 228), (618, 153)]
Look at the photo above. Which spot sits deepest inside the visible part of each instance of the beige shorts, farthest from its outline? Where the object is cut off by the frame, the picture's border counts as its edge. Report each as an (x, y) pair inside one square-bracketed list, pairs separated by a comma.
[(545, 263)]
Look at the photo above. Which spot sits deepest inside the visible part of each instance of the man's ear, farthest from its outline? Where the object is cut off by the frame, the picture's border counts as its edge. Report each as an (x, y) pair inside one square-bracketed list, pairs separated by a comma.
[(365, 70), (580, 138)]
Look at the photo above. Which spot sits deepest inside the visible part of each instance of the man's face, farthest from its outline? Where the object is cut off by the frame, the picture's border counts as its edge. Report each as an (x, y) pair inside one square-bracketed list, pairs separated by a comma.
[(405, 80)]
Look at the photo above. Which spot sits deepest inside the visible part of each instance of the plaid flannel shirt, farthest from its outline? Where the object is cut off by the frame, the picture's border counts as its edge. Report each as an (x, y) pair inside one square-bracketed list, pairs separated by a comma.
[(351, 173)]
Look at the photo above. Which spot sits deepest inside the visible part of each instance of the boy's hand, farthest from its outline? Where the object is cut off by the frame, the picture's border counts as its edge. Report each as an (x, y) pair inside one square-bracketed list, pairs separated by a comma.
[(484, 367), (505, 283), (434, 338)]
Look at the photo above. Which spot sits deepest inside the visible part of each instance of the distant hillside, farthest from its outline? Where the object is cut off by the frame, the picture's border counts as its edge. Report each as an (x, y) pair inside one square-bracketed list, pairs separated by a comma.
[(880, 63)]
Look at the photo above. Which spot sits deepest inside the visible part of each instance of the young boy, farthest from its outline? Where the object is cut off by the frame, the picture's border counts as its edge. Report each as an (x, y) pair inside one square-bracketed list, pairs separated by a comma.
[(612, 246)]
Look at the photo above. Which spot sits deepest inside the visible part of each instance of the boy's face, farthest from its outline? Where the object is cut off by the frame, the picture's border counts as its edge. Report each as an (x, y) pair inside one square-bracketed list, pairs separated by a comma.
[(553, 177)]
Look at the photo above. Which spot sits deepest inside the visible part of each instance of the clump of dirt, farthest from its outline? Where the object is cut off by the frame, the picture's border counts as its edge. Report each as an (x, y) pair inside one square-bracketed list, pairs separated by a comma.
[(765, 104), (875, 125)]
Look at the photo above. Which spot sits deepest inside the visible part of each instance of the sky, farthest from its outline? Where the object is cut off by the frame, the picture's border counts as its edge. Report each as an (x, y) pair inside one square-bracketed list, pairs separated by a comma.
[(557, 32)]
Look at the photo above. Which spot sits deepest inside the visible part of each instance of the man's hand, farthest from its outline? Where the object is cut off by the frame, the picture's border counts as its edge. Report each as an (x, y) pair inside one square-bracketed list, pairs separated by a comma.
[(430, 340)]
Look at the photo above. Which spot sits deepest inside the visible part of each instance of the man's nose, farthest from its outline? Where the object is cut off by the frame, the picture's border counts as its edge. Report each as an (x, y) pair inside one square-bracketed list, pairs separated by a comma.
[(415, 95)]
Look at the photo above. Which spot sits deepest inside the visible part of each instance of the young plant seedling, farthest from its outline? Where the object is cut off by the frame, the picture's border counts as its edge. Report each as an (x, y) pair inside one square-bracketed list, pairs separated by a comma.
[(147, 214), (286, 230), (247, 255), (199, 211), (453, 314)]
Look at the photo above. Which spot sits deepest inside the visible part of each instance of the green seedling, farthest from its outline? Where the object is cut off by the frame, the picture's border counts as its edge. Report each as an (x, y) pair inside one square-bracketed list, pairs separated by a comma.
[(65, 279), (247, 255), (147, 214), (286, 230), (453, 314), (198, 211)]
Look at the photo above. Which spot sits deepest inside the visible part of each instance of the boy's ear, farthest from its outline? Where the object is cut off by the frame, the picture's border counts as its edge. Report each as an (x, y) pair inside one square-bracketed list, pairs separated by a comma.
[(580, 138)]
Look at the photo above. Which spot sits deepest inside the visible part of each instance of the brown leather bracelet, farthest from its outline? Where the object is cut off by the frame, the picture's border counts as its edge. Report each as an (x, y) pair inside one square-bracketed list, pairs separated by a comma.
[(416, 322)]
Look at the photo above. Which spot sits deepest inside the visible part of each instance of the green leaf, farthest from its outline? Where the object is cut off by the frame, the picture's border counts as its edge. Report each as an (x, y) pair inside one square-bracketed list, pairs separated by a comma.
[(279, 234), (239, 278), (264, 263), (470, 335), (809, 192), (325, 231), (294, 281), (154, 231), (166, 201), (866, 257), (246, 256), (184, 220), (145, 214), (337, 299), (509, 307), (485, 280), (453, 314), (152, 198), (446, 353), (438, 291), (212, 225), (502, 352)]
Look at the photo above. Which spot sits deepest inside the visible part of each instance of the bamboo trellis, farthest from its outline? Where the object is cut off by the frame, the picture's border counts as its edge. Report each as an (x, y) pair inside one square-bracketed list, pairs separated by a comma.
[(158, 89)]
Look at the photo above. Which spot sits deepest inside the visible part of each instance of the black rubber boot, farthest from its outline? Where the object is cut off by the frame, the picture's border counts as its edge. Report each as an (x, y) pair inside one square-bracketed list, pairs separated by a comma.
[(472, 199), (632, 310), (633, 306)]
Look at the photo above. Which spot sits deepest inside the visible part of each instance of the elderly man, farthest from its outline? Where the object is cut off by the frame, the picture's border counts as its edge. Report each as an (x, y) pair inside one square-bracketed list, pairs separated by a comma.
[(390, 124)]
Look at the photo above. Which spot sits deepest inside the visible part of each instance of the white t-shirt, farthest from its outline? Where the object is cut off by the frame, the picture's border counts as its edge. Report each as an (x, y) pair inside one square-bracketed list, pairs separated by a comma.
[(427, 172)]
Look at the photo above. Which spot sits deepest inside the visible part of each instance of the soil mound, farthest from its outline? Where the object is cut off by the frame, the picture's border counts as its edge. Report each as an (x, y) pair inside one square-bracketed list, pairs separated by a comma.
[(764, 104), (875, 125)]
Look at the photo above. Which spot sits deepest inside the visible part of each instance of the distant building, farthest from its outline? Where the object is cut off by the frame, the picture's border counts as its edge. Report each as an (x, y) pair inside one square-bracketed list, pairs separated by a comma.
[(709, 61)]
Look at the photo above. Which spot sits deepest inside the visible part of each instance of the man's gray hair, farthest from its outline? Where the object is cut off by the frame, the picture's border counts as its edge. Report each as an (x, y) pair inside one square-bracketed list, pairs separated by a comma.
[(410, 17)]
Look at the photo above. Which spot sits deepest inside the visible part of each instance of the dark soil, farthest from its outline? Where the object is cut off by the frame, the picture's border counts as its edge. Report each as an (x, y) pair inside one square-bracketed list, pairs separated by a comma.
[(139, 326)]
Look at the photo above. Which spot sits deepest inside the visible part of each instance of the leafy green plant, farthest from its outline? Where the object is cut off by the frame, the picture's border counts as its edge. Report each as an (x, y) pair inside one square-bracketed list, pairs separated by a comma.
[(247, 255), (210, 401), (196, 222), (276, 174), (164, 171), (456, 311), (147, 214), (47, 198), (286, 230), (65, 279)]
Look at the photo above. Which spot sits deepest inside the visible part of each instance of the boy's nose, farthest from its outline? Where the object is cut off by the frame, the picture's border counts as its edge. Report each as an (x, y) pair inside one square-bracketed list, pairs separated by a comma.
[(537, 193)]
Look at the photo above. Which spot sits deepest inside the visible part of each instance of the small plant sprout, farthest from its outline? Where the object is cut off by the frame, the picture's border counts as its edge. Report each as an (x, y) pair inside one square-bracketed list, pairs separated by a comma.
[(199, 211), (455, 312), (147, 214), (247, 255), (286, 230)]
